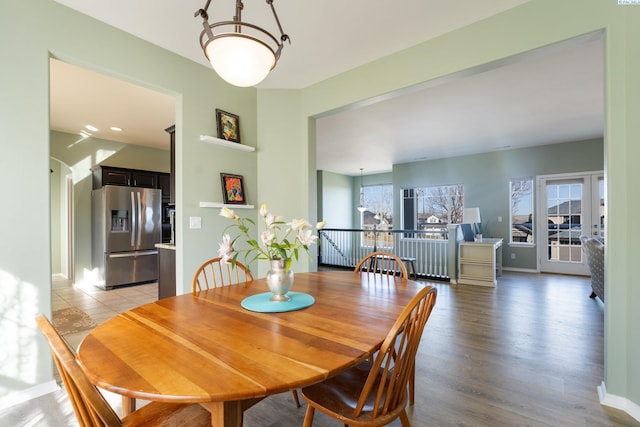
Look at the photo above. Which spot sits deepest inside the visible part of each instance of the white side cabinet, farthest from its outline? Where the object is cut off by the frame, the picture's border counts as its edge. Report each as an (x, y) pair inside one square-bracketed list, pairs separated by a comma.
[(479, 262)]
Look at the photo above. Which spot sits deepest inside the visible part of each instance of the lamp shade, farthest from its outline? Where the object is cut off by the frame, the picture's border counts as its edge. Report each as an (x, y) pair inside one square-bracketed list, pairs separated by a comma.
[(471, 215), (240, 60)]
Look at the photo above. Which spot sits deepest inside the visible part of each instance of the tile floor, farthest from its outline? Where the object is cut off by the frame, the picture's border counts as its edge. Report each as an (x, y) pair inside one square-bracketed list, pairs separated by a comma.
[(99, 304)]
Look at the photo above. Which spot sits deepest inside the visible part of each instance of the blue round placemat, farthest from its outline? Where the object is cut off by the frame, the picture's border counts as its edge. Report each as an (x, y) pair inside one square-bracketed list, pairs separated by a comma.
[(261, 303)]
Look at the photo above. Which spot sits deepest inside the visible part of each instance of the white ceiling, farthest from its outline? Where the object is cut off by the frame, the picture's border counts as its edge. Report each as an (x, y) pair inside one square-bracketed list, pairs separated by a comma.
[(551, 95)]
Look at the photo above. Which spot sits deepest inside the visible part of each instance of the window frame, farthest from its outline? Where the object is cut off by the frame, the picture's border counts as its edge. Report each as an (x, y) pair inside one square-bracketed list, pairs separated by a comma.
[(531, 215)]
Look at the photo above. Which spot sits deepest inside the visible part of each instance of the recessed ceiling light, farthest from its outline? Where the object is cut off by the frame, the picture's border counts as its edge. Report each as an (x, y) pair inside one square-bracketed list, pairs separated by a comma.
[(91, 128), (116, 129)]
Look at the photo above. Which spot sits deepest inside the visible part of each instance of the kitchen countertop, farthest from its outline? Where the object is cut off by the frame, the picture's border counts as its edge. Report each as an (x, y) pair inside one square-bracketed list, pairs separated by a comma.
[(169, 246)]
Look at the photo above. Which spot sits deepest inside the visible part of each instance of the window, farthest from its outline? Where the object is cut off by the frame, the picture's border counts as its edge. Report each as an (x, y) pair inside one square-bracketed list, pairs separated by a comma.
[(378, 199), (379, 202), (431, 209), (522, 220)]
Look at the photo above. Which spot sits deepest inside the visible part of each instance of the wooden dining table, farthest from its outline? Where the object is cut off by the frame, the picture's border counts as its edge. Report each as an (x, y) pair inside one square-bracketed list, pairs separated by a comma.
[(206, 348)]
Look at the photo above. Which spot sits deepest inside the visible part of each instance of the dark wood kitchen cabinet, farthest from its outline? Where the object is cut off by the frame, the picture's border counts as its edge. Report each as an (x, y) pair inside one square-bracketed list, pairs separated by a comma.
[(164, 183), (144, 179), (111, 175)]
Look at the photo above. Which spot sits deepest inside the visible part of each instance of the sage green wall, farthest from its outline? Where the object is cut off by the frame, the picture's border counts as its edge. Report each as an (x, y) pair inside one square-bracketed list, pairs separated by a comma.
[(486, 182), (285, 155), (45, 28), (335, 199), (82, 154), (55, 200), (534, 24)]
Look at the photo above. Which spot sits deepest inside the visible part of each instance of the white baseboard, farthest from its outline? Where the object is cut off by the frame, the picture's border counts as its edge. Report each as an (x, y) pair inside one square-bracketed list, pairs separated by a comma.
[(618, 402), (521, 270), (28, 394)]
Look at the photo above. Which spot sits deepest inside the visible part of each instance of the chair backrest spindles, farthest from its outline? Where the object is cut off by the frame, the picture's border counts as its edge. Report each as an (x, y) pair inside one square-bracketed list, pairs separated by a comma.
[(383, 263), (393, 365), (215, 273)]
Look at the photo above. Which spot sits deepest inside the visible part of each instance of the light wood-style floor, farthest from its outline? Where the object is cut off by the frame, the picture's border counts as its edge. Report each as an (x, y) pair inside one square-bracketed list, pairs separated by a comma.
[(526, 353)]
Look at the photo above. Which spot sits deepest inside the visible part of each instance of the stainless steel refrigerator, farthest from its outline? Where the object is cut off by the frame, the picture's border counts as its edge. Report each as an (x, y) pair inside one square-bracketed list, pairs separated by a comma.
[(127, 224)]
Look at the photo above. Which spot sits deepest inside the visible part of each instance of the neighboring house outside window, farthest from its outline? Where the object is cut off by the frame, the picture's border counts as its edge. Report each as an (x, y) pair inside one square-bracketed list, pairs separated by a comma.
[(430, 209)]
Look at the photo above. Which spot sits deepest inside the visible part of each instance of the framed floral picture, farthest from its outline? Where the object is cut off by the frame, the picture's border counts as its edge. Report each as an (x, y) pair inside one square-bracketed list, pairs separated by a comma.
[(232, 189), (228, 126)]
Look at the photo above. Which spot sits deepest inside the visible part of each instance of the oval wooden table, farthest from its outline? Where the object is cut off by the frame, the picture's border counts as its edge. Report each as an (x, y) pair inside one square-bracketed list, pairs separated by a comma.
[(206, 348)]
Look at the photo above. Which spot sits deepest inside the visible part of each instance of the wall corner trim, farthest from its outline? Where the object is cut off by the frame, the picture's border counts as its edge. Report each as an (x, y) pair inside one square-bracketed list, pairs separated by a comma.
[(618, 402)]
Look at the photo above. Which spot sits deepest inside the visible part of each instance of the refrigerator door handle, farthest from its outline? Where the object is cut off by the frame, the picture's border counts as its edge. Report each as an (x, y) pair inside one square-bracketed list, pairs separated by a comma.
[(130, 254), (134, 223), (139, 220)]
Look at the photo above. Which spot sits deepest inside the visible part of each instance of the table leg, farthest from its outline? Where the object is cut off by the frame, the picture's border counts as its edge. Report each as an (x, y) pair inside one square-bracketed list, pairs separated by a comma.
[(225, 414), (128, 405)]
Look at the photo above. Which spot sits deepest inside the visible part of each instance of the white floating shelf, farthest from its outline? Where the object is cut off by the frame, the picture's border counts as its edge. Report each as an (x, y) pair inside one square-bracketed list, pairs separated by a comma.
[(225, 143), (221, 205)]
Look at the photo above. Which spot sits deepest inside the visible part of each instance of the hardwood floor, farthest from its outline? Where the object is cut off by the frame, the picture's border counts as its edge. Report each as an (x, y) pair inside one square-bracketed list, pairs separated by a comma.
[(526, 353)]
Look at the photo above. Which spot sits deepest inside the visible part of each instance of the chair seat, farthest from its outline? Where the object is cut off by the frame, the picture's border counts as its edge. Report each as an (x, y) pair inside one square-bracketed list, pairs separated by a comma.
[(169, 414), (340, 394), (374, 393)]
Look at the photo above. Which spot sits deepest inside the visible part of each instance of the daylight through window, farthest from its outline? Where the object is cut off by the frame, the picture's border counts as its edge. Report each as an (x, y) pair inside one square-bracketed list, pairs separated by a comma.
[(430, 209), (522, 218), (378, 199)]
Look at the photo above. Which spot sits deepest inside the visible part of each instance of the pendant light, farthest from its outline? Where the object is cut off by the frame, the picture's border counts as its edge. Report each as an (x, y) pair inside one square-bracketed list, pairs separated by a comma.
[(241, 53), (361, 207)]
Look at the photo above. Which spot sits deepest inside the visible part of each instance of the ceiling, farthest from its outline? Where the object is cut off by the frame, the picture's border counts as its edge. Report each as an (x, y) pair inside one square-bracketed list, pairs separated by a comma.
[(555, 94)]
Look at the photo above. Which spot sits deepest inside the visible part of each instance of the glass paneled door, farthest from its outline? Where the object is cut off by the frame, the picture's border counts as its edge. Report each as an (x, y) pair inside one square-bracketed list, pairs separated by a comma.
[(568, 207)]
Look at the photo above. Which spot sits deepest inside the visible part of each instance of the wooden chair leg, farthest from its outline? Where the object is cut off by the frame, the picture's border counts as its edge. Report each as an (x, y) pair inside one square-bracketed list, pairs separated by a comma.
[(295, 398), (308, 416), (404, 419)]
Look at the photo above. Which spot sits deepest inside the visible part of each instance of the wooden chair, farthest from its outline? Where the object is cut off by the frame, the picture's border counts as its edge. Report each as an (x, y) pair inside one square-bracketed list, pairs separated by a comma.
[(93, 410), (215, 273), (384, 263), (387, 264), (374, 394)]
